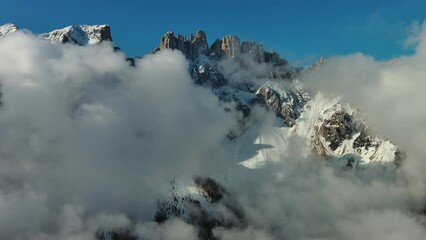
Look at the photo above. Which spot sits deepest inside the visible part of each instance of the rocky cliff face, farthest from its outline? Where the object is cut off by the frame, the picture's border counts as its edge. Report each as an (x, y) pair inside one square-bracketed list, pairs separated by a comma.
[(229, 46), (192, 48), (285, 103)]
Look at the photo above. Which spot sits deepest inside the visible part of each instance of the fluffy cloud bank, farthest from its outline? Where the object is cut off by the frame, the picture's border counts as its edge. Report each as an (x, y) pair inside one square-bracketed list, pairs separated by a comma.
[(82, 133)]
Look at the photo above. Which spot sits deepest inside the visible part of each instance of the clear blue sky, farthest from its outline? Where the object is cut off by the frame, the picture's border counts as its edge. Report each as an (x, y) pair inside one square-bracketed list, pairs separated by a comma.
[(299, 30)]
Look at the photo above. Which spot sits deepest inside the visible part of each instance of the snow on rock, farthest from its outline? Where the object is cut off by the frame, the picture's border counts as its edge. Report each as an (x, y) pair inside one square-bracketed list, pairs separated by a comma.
[(286, 101), (334, 128), (352, 146), (7, 29), (80, 34)]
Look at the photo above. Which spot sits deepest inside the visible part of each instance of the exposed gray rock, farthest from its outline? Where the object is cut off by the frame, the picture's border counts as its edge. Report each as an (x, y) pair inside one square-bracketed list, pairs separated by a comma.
[(285, 104), (231, 46), (216, 49), (199, 45), (338, 128), (363, 141), (192, 48)]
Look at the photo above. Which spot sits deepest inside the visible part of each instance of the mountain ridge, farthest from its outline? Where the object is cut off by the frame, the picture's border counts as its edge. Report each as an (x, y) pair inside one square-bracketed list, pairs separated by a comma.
[(77, 34), (278, 86)]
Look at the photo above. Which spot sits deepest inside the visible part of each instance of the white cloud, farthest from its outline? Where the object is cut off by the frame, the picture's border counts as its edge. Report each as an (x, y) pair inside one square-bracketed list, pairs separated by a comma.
[(172, 229), (80, 127)]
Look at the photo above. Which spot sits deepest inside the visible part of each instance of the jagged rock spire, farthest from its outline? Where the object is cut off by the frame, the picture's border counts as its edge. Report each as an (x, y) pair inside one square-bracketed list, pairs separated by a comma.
[(229, 46), (191, 48)]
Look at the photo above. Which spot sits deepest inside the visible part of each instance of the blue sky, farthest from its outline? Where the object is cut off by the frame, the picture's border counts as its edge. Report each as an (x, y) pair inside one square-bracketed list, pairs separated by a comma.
[(299, 30)]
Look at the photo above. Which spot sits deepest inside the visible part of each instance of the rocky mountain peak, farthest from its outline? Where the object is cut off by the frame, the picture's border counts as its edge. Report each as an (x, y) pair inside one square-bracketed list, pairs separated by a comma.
[(168, 41), (229, 46), (191, 48), (199, 45), (201, 35), (7, 29)]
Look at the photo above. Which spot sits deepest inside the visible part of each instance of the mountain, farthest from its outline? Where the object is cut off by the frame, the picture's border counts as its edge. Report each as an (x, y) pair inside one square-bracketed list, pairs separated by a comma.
[(81, 35), (246, 76), (333, 128)]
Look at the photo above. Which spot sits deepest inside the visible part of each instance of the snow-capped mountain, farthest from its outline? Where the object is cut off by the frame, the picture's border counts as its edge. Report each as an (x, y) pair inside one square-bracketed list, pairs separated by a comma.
[(79, 34), (7, 29), (332, 127)]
